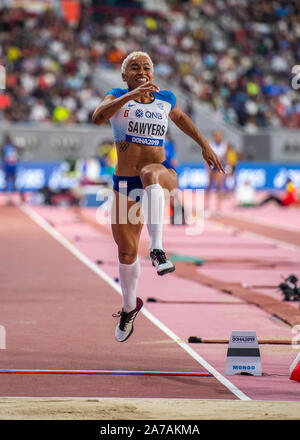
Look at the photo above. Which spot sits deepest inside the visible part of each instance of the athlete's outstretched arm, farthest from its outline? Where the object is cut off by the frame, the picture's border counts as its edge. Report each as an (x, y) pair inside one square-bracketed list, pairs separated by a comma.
[(107, 108), (110, 104), (184, 122)]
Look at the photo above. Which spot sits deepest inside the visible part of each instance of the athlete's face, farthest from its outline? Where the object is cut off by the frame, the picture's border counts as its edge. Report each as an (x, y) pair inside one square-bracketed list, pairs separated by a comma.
[(218, 136), (138, 71)]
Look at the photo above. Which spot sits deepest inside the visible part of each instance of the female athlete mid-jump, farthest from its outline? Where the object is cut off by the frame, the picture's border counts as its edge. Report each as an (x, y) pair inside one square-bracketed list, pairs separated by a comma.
[(139, 118)]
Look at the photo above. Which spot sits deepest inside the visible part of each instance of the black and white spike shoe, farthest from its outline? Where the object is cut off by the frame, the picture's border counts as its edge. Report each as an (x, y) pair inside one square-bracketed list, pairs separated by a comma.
[(160, 261), (124, 328)]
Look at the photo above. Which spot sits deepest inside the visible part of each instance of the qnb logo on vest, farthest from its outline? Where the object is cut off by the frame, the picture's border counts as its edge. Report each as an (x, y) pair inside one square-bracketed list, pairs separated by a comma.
[(153, 115), (139, 113)]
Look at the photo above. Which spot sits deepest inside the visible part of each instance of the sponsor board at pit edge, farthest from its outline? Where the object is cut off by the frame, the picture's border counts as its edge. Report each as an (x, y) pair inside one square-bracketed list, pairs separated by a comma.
[(243, 355), (244, 367)]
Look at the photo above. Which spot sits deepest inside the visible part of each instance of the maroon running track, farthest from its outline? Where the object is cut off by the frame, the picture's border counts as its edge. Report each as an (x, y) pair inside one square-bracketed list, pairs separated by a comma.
[(58, 315)]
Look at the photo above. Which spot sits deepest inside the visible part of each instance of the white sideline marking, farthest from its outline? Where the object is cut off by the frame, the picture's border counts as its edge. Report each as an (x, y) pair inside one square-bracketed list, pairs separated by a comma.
[(261, 221), (257, 235), (62, 240)]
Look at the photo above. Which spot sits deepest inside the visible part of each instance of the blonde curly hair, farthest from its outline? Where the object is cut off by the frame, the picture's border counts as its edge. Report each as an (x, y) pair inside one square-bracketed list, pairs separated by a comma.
[(132, 55)]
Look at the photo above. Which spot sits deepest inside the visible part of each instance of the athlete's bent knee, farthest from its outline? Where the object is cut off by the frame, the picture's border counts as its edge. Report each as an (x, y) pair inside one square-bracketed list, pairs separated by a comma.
[(127, 257), (149, 176)]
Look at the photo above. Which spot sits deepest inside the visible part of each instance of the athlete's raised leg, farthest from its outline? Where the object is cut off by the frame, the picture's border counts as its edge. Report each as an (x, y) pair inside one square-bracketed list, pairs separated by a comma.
[(155, 179)]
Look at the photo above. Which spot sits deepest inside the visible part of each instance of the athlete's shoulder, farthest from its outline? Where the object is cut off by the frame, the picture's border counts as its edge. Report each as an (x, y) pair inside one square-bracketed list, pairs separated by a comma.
[(117, 92), (168, 96)]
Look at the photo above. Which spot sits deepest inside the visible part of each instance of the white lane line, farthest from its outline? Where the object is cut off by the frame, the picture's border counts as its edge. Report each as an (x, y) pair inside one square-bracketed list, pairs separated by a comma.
[(283, 244), (261, 221), (63, 241), (257, 235)]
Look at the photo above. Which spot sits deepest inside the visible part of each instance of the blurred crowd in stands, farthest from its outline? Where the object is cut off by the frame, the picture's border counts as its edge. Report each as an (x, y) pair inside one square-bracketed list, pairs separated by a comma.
[(235, 56)]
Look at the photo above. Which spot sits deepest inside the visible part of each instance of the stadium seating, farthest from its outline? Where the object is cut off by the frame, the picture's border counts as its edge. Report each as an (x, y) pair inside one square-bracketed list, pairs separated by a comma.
[(234, 56)]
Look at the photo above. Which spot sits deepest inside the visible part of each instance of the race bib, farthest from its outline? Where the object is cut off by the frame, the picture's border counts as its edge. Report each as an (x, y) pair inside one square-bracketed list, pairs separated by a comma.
[(146, 127)]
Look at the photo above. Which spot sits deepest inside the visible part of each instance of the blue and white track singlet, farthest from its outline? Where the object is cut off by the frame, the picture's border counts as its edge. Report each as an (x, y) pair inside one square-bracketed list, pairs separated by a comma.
[(142, 123)]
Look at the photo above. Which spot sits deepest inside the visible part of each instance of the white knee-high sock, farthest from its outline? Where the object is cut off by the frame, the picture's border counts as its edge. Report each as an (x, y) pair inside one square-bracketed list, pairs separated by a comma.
[(129, 274), (154, 209)]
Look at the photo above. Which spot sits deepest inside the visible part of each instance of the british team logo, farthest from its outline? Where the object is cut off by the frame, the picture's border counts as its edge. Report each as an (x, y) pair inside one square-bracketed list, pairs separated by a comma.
[(139, 113)]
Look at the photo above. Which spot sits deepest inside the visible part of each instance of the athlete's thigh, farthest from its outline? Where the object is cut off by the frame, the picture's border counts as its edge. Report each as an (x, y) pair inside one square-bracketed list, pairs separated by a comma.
[(158, 173), (126, 222)]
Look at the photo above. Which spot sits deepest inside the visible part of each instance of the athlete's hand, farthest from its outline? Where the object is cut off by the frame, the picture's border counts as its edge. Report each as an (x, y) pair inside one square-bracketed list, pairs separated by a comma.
[(212, 159), (144, 90)]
